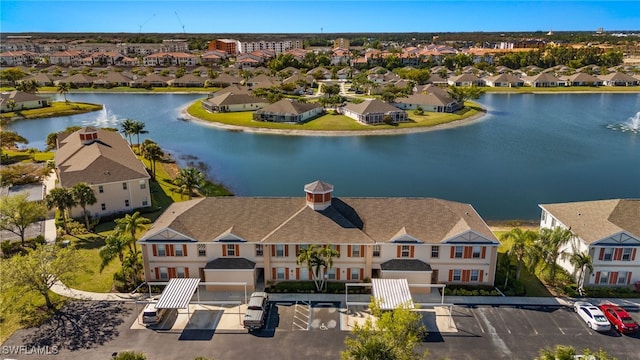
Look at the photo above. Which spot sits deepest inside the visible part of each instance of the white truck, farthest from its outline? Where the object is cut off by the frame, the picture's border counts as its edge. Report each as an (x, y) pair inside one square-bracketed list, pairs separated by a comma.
[(257, 309)]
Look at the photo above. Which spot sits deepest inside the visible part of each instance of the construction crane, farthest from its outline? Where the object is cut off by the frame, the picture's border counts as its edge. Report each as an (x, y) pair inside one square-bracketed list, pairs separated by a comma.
[(144, 23), (180, 21)]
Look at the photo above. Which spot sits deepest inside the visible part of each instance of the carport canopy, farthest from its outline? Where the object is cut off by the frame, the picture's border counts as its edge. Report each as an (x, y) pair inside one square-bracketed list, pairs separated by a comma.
[(392, 293), (178, 293)]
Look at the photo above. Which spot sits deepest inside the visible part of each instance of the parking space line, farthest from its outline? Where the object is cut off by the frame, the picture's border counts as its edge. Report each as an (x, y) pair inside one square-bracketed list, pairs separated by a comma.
[(299, 323), (477, 321), (505, 323), (525, 316), (556, 324)]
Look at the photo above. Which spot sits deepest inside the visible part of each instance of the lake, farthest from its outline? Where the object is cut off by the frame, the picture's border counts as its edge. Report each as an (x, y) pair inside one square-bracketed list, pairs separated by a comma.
[(529, 149)]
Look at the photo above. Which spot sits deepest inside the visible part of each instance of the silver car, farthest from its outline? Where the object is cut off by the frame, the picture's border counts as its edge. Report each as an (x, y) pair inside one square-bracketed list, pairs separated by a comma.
[(591, 315)]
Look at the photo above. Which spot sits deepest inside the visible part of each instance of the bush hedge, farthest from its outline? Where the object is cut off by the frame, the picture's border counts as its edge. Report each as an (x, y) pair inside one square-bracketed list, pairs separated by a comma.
[(470, 290), (610, 292), (310, 287)]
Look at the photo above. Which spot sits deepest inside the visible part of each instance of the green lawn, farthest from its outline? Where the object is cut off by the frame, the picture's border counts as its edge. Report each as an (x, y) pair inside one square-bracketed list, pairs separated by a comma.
[(25, 157), (89, 278), (330, 122), (57, 108)]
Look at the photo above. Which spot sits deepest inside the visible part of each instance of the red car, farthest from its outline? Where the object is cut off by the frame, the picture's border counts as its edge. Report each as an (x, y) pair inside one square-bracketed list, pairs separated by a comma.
[(619, 318)]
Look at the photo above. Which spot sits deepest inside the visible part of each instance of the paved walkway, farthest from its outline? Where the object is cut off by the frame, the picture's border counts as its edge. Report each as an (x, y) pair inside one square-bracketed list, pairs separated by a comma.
[(435, 298)]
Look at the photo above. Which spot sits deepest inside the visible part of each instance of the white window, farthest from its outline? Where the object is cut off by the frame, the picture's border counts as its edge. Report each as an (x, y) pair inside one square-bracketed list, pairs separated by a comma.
[(304, 273), (162, 250), (302, 247), (259, 250), (435, 251), (553, 222), (103, 206), (476, 252), (143, 184), (457, 275), (279, 250), (100, 189), (544, 216), (626, 254), (180, 272), (355, 274), (331, 274), (124, 186), (280, 273), (126, 203), (474, 275), (178, 250), (231, 250), (405, 251), (604, 277), (202, 250), (355, 251), (145, 202), (608, 254), (622, 278), (376, 250), (164, 273), (458, 252)]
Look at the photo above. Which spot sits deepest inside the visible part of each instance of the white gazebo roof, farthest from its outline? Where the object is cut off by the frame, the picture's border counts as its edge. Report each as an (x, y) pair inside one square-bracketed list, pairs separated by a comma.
[(392, 293), (178, 293)]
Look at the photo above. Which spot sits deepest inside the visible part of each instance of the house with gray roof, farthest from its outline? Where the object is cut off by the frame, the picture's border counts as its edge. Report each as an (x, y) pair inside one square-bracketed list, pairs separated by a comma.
[(256, 240), (466, 79), (18, 100), (432, 102), (231, 102), (288, 110), (606, 230), (618, 79), (503, 80), (543, 79), (103, 160), (372, 112), (581, 79)]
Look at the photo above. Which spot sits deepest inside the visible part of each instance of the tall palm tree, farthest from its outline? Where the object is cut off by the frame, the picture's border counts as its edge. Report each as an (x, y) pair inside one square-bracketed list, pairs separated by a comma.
[(138, 128), (581, 261), (152, 152), (133, 263), (189, 178), (63, 89), (130, 224), (115, 246), (83, 195), (551, 240), (61, 198), (318, 260), (521, 240), (127, 127)]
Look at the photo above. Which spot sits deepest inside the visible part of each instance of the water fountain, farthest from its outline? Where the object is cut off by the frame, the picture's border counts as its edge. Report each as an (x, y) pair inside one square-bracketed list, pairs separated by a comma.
[(105, 119), (632, 125)]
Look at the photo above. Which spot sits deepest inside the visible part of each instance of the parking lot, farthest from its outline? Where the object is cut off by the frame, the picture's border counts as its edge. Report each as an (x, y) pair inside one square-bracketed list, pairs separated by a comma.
[(317, 330)]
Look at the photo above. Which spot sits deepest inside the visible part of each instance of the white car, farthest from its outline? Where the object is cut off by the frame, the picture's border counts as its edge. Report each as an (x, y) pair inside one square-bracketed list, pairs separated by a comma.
[(592, 315)]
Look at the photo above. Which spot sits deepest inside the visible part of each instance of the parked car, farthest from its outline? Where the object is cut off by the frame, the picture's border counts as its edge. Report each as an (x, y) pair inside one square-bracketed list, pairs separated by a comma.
[(151, 315), (619, 318), (593, 316), (257, 309)]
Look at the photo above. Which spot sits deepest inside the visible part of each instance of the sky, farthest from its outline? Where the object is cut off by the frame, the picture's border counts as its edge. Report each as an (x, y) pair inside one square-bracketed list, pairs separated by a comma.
[(321, 16)]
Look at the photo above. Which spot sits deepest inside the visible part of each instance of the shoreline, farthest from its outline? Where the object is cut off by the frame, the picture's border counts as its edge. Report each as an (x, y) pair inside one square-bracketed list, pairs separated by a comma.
[(185, 116)]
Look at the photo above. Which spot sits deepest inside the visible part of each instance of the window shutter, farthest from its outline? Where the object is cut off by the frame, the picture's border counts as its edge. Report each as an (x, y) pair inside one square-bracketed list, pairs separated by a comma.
[(348, 250), (598, 276), (157, 273), (399, 252), (601, 256), (481, 275), (172, 272), (273, 251), (348, 273), (154, 248), (286, 250), (412, 251), (184, 250), (286, 273), (297, 272), (237, 250), (617, 254), (450, 275), (361, 274), (186, 272), (466, 275), (297, 250), (484, 252), (361, 250), (629, 276), (613, 278), (172, 250), (453, 252), (337, 273), (633, 254), (224, 250), (338, 250), (273, 274), (468, 250)]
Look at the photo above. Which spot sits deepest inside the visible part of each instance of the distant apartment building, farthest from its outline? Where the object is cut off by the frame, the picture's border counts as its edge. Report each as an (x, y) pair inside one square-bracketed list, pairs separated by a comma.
[(228, 46), (277, 46), (341, 43)]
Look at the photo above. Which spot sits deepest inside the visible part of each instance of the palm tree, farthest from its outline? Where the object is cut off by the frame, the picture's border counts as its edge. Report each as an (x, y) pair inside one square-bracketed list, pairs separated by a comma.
[(138, 128), (11, 104), (521, 240), (83, 195), (550, 241), (152, 152), (63, 89), (580, 262), (318, 260), (129, 225), (188, 179), (127, 127), (61, 198), (115, 246), (133, 262)]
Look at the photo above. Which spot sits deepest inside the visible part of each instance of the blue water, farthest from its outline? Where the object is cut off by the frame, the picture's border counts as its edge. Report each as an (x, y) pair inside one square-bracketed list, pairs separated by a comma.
[(528, 149)]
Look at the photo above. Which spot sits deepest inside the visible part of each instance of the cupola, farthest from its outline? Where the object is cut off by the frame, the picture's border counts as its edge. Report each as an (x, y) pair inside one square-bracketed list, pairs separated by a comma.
[(318, 195), (88, 135)]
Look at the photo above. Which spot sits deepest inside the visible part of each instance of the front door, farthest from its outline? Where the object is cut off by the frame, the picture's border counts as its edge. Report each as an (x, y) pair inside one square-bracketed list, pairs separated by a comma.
[(434, 276)]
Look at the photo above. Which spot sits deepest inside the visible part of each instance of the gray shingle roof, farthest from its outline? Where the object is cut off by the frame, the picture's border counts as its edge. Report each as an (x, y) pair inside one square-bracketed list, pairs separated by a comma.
[(234, 99), (230, 263), (405, 265), (372, 106), (288, 106)]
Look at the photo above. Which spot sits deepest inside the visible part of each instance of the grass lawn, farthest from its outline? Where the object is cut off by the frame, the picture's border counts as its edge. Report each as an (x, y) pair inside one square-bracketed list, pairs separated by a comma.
[(330, 122), (89, 278), (20, 310), (57, 108), (26, 157)]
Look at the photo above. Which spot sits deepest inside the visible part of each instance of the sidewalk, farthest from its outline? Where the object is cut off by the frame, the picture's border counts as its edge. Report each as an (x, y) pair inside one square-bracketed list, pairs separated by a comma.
[(61, 289)]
